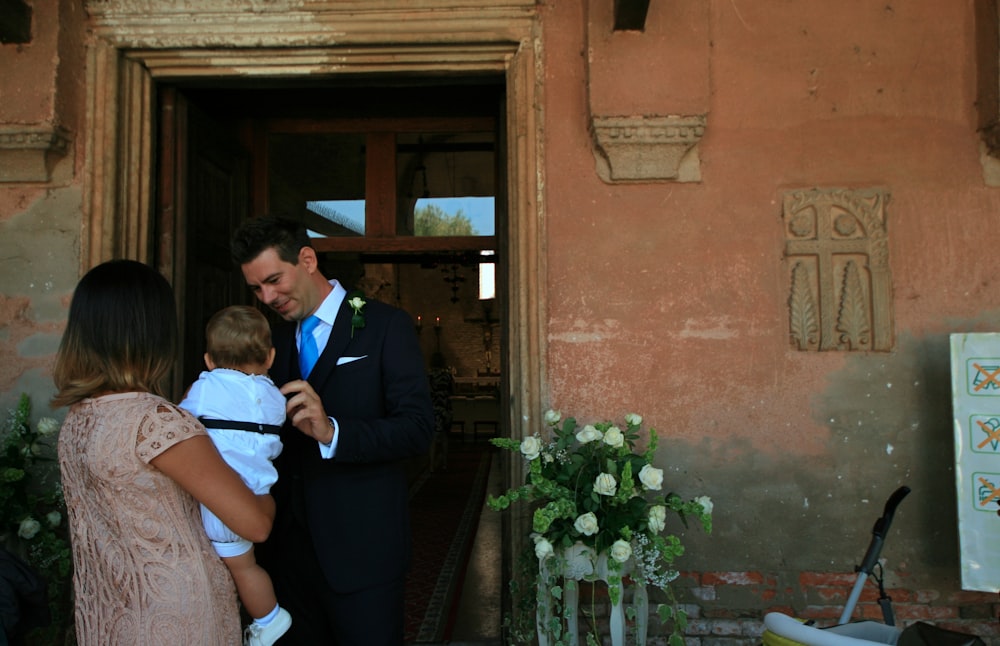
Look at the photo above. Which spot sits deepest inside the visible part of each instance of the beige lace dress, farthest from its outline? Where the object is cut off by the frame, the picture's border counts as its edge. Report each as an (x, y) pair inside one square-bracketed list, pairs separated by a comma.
[(144, 571)]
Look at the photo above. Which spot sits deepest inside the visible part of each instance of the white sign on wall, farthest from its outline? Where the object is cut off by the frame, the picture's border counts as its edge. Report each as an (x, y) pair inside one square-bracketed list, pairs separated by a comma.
[(975, 386)]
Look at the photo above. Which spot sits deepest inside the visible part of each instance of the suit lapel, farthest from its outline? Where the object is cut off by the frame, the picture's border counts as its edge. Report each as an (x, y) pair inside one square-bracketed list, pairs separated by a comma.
[(340, 336), (287, 369)]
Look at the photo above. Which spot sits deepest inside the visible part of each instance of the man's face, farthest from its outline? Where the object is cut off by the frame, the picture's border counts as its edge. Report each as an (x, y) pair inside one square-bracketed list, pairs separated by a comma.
[(287, 289)]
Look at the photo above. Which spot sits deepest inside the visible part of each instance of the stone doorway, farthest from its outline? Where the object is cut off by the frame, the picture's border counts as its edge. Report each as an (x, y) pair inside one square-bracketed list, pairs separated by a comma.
[(137, 45)]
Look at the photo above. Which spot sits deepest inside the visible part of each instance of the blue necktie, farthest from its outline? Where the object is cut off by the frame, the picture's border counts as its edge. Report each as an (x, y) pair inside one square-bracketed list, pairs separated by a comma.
[(308, 351)]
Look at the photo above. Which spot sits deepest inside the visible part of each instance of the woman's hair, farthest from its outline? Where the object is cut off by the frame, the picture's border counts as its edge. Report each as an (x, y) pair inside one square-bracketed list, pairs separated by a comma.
[(121, 334), (238, 336), (257, 234)]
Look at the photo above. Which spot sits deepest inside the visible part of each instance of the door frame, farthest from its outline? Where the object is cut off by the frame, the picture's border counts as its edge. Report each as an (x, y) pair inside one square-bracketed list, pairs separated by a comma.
[(137, 44)]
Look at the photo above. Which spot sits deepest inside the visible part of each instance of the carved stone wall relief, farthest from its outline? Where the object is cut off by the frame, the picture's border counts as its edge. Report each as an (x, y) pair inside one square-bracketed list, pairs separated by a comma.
[(838, 269)]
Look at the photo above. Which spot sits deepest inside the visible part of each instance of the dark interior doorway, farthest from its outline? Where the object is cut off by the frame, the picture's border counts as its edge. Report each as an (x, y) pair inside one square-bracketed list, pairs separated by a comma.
[(313, 152)]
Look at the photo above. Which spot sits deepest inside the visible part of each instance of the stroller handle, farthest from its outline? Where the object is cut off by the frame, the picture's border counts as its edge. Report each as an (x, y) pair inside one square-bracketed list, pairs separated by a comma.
[(881, 528), (879, 531)]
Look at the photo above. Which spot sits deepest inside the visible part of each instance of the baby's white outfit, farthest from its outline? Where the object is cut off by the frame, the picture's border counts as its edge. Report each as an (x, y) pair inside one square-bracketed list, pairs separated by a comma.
[(230, 395)]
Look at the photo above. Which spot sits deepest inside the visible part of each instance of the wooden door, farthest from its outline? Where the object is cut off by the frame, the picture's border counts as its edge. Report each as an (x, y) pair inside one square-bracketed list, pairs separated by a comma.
[(204, 180)]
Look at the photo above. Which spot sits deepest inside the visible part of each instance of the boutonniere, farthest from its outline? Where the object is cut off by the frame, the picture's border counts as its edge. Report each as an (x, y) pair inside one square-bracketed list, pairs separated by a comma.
[(358, 318)]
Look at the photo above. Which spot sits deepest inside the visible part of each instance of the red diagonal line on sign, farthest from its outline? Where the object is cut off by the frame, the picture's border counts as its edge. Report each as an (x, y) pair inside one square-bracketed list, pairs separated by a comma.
[(991, 434), (995, 492), (991, 377)]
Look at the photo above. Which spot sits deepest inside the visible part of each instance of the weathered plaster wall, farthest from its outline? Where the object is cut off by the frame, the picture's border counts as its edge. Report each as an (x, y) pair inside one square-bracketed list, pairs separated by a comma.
[(41, 82), (670, 299)]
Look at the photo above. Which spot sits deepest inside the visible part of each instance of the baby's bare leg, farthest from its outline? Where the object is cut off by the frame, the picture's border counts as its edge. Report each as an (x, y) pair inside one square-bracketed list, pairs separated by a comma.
[(253, 584)]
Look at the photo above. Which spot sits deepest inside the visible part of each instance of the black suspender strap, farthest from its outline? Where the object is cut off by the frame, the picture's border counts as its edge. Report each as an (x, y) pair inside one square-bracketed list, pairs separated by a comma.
[(240, 426)]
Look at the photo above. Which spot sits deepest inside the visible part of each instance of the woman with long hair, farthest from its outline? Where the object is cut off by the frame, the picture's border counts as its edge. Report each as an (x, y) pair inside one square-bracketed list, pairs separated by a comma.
[(135, 468)]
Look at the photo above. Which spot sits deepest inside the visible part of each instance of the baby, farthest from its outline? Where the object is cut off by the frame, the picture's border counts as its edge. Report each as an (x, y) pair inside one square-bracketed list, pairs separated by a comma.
[(243, 412)]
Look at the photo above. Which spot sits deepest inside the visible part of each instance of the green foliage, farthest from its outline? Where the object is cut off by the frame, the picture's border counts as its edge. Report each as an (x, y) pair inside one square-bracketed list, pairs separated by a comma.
[(33, 513), (588, 486), (431, 220)]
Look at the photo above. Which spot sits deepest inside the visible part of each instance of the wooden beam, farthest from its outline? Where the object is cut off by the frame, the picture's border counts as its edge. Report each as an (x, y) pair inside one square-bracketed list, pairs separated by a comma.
[(405, 244)]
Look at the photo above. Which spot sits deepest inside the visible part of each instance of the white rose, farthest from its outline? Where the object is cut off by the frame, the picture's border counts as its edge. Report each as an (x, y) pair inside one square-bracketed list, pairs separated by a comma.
[(543, 549), (633, 420), (621, 551), (47, 426), (588, 434), (586, 524), (605, 484), (706, 503), (651, 477), (531, 446), (614, 437), (356, 303), (657, 518), (29, 527), (552, 417), (54, 518)]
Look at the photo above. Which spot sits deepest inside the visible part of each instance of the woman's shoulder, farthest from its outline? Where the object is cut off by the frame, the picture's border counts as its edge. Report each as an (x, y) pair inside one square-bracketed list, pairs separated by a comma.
[(163, 424)]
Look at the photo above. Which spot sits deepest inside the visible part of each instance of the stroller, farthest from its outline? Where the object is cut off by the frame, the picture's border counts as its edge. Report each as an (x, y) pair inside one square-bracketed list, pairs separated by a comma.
[(782, 630)]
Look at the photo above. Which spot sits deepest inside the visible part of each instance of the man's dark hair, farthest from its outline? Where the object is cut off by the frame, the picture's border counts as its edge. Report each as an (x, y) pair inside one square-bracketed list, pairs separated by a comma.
[(257, 234)]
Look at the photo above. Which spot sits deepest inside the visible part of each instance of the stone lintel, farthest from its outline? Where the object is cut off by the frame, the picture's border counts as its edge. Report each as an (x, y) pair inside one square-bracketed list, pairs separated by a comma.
[(646, 148), (27, 152)]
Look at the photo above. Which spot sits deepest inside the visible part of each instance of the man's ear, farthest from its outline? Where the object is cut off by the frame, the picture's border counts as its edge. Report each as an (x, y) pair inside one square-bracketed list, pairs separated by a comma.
[(307, 258), (270, 360)]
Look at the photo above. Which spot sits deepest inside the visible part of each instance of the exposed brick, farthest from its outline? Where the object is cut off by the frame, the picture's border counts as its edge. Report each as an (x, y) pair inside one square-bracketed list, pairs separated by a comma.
[(732, 578), (699, 627), (816, 579), (907, 611), (693, 610), (822, 612), (967, 598), (981, 611), (704, 592)]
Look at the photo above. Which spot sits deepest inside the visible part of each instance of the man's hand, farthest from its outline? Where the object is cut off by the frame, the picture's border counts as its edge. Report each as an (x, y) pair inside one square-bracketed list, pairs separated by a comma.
[(305, 410)]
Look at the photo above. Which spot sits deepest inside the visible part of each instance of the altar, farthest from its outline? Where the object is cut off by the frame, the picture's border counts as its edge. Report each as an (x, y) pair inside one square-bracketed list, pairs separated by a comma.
[(475, 407)]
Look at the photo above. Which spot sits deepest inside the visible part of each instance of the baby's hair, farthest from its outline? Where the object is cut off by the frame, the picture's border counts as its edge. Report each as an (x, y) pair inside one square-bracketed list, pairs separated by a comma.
[(238, 335)]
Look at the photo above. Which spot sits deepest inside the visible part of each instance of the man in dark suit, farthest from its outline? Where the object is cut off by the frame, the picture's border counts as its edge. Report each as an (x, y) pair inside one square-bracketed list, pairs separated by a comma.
[(340, 546)]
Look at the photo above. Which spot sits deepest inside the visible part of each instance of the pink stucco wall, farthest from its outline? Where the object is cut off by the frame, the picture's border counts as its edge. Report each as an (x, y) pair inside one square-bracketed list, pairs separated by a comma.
[(670, 299)]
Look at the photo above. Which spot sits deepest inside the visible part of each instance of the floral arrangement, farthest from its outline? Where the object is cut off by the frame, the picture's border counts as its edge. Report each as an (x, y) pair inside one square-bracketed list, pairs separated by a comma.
[(358, 318), (32, 512), (590, 487)]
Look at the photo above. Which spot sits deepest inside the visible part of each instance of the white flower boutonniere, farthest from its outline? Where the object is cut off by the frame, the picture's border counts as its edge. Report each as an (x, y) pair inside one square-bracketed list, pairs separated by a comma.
[(358, 318)]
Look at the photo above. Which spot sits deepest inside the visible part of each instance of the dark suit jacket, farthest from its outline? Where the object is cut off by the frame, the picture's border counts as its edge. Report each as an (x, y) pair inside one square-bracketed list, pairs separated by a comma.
[(355, 505)]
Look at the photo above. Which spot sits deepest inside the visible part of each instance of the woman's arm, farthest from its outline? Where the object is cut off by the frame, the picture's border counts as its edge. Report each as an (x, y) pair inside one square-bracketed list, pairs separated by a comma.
[(195, 464)]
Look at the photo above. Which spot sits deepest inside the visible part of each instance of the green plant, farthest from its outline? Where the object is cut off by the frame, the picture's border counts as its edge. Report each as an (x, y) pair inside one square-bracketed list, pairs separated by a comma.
[(588, 485), (33, 513)]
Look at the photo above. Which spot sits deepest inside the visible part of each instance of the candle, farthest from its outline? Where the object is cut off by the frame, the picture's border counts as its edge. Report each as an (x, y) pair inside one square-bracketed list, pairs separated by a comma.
[(437, 321)]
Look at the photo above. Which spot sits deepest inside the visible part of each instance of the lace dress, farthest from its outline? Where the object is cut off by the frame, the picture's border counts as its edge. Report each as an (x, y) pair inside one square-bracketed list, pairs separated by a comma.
[(144, 571)]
